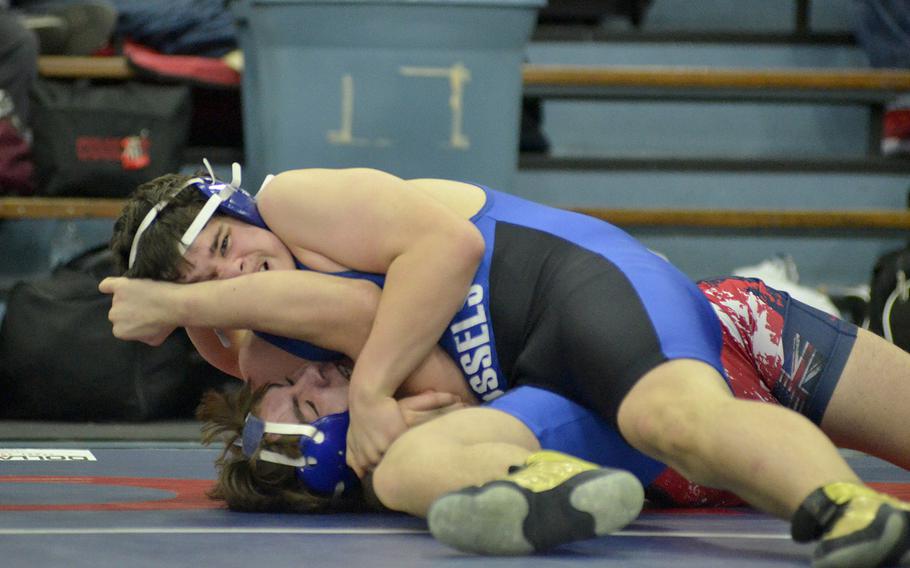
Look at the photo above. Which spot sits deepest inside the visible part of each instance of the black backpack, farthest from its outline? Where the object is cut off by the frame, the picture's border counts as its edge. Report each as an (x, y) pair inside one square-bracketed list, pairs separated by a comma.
[(60, 360), (95, 139)]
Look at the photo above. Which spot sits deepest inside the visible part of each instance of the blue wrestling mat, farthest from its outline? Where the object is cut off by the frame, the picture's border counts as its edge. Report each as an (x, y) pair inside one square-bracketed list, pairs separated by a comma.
[(144, 505)]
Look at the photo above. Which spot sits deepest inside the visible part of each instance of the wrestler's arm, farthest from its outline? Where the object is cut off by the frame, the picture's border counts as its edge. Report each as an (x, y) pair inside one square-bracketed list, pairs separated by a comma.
[(331, 312), (375, 222), (346, 308)]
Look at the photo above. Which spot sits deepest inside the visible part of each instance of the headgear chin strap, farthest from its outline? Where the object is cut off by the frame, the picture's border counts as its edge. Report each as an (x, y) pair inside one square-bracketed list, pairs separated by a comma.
[(321, 467), (227, 198)]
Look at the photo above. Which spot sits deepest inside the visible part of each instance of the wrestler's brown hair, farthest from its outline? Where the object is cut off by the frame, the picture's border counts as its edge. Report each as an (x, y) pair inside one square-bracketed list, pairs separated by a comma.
[(253, 485), (159, 257)]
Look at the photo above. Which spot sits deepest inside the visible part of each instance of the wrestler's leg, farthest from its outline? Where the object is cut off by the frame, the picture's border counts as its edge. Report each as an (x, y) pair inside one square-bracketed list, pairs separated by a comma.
[(551, 499), (867, 411), (682, 413), (463, 448)]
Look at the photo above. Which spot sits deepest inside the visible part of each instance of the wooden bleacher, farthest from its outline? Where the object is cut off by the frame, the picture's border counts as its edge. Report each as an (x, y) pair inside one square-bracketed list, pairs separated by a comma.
[(872, 220), (848, 86), (860, 85), (78, 67), (872, 88), (59, 208), (599, 82)]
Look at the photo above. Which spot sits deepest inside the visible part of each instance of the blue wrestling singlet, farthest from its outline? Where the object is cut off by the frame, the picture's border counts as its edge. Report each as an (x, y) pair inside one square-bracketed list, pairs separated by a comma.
[(581, 308), (564, 426)]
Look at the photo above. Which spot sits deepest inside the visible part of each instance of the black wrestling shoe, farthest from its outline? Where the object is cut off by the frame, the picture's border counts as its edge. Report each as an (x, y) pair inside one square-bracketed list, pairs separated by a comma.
[(552, 499), (858, 527)]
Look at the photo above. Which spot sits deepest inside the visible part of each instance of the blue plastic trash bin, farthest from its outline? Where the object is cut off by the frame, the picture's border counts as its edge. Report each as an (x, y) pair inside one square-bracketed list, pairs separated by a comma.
[(419, 88)]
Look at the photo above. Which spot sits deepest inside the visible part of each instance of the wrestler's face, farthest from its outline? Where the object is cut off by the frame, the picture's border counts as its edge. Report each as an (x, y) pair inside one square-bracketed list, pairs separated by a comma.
[(228, 247), (311, 392), (262, 363)]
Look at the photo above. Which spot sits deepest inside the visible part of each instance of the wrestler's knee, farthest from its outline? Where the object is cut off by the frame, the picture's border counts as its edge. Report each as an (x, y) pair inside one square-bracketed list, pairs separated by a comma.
[(659, 425), (667, 413)]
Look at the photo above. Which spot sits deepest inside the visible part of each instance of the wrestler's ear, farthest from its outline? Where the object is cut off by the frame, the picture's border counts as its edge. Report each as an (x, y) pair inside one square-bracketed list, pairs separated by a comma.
[(348, 364)]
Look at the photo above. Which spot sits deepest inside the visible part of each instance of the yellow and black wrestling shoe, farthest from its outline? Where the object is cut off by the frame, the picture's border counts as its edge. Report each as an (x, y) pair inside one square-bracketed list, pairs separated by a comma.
[(552, 499), (858, 527)]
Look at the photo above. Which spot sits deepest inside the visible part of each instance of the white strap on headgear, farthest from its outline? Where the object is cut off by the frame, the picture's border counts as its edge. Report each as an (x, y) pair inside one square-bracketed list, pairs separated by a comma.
[(146, 222), (276, 457), (265, 182), (286, 429), (253, 433), (205, 214), (203, 217)]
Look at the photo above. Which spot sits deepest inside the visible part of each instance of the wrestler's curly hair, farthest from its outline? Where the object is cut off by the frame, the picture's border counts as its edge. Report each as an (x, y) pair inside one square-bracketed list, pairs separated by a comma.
[(159, 257), (253, 485)]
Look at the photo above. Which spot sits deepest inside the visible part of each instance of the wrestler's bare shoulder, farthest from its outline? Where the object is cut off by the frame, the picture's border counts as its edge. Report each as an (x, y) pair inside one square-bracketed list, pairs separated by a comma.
[(464, 198)]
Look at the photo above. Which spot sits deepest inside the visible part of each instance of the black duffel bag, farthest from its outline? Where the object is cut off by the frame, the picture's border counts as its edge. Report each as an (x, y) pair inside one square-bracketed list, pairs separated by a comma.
[(60, 360), (102, 140)]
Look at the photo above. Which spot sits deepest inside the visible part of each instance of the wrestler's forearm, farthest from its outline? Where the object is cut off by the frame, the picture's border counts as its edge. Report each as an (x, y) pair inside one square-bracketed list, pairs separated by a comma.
[(418, 301), (335, 313), (204, 306)]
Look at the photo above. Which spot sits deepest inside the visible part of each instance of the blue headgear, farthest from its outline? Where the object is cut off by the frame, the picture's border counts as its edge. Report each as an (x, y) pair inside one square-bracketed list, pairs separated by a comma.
[(321, 467), (227, 198)]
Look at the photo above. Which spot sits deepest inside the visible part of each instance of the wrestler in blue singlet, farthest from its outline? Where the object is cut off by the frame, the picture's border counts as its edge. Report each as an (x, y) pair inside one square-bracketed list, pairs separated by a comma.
[(535, 317)]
